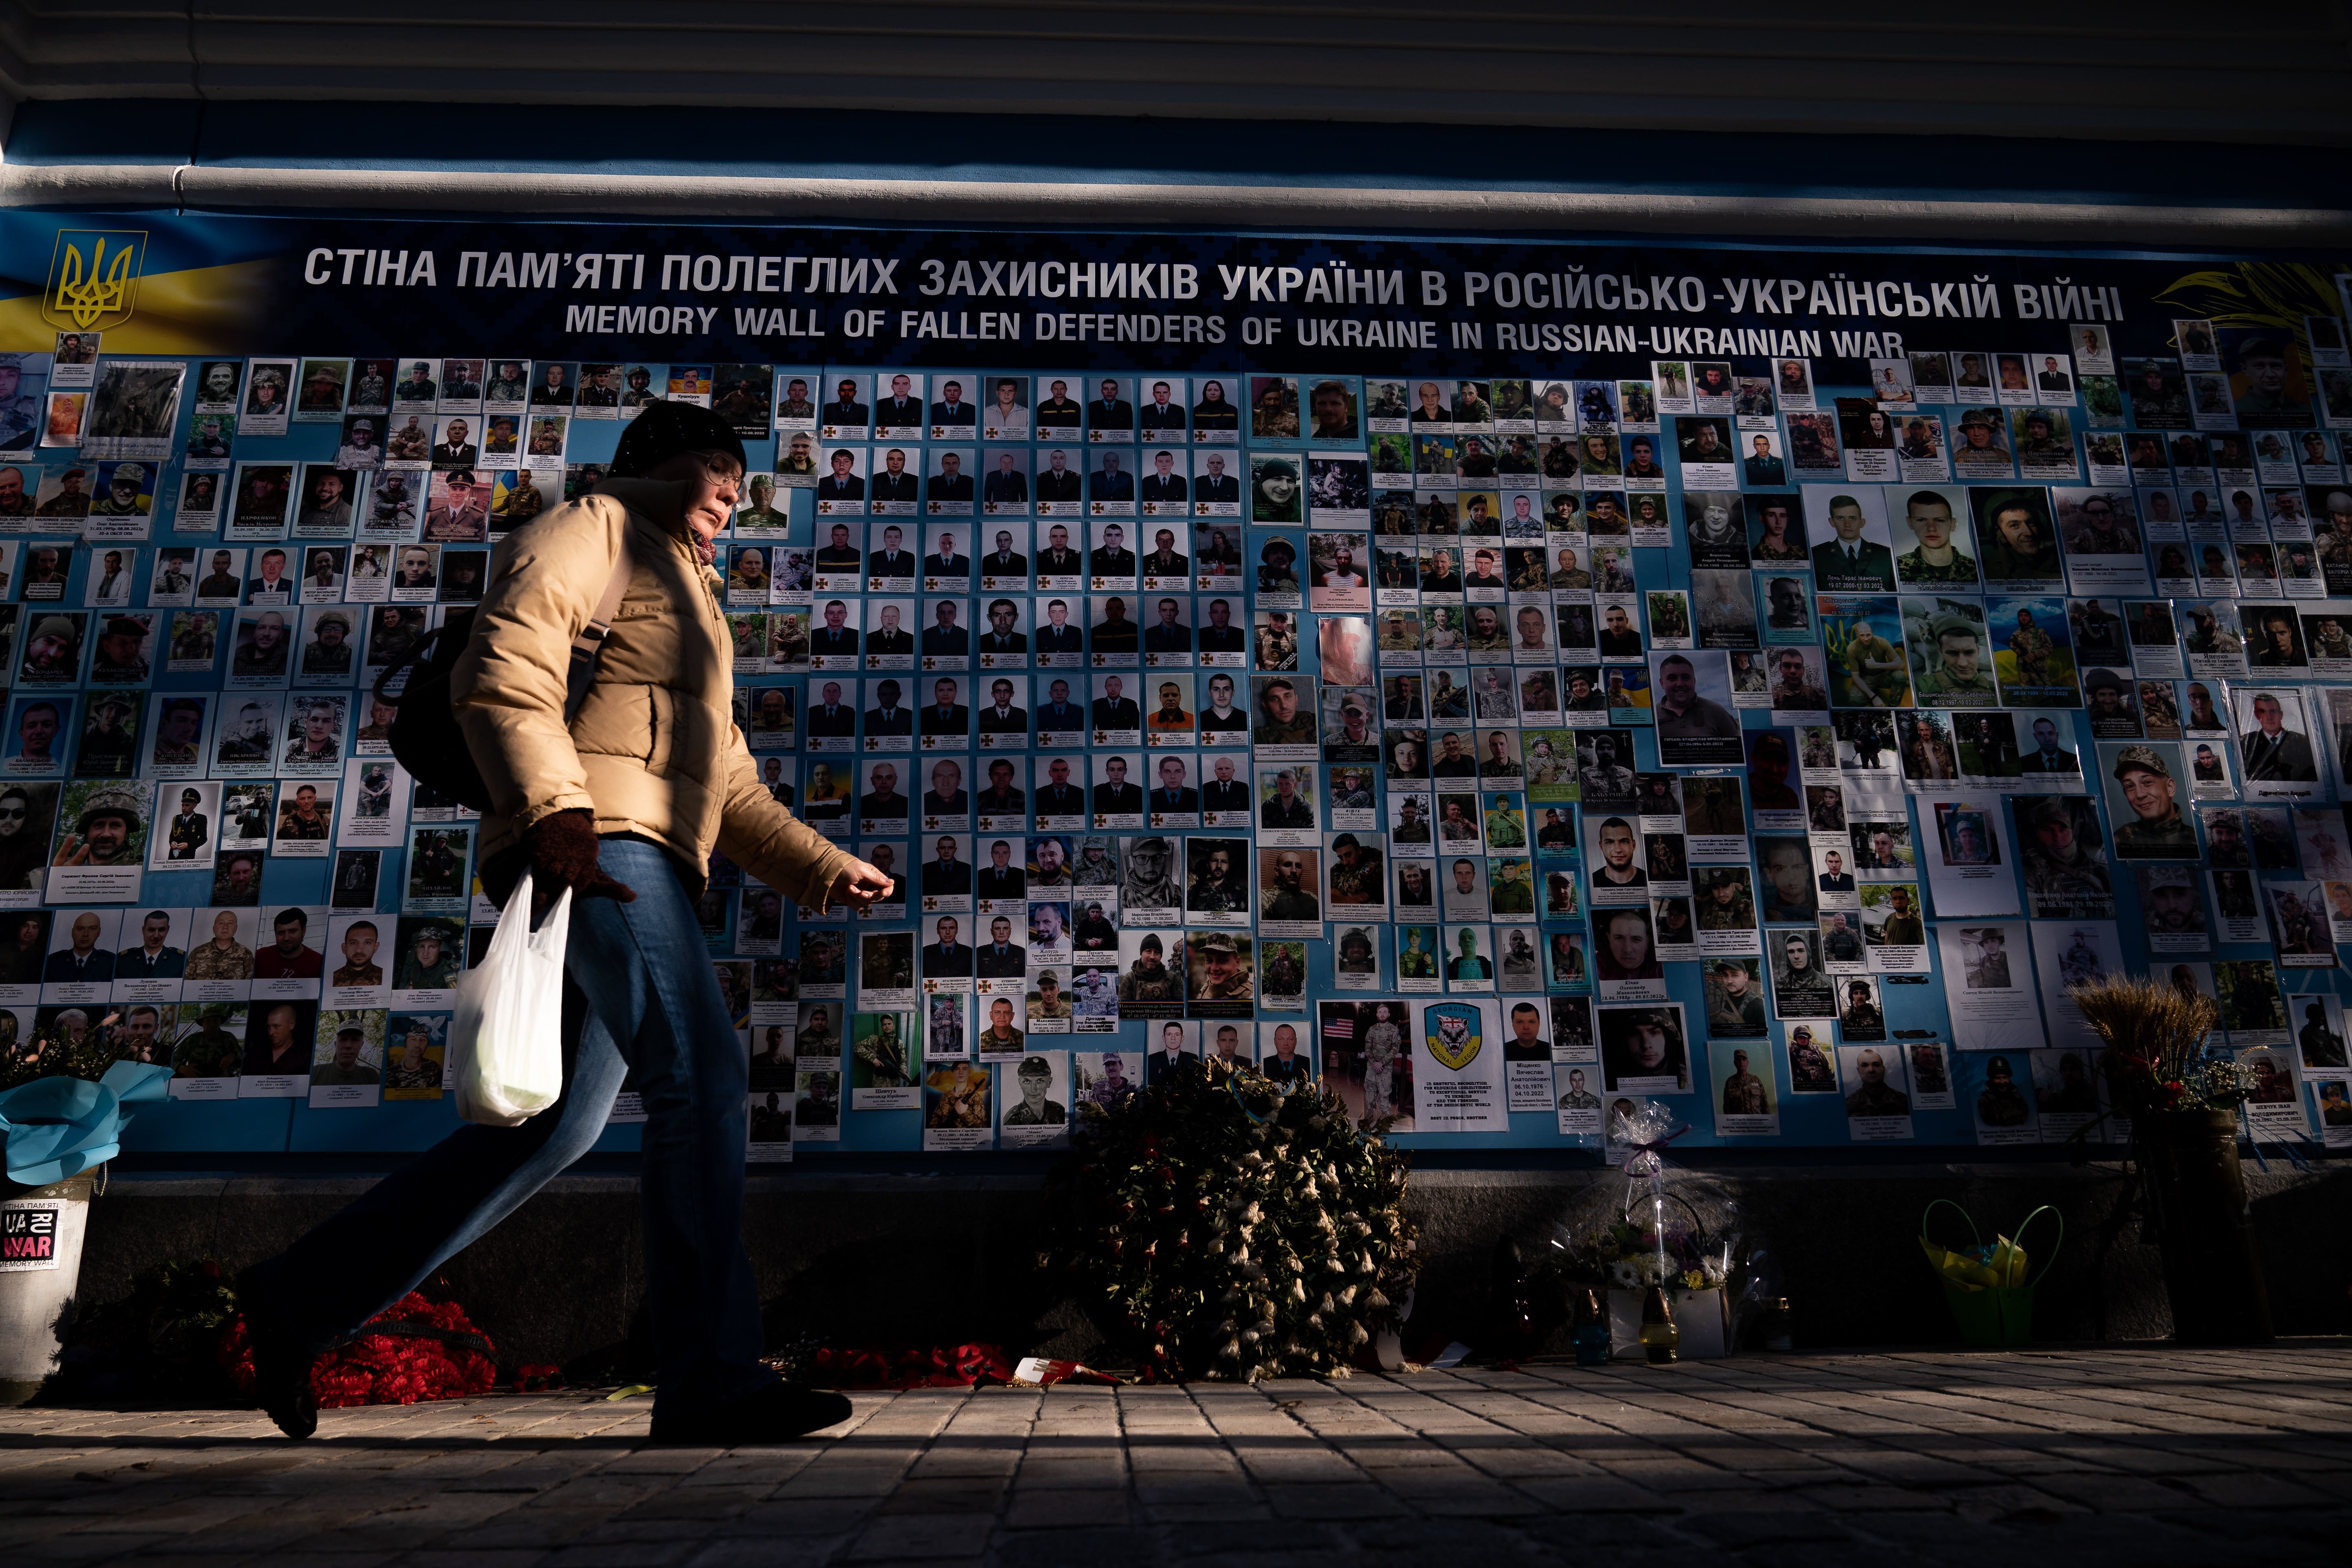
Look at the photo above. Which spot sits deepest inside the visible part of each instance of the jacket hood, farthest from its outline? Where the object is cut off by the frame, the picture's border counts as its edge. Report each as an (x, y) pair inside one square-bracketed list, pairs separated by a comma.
[(663, 501)]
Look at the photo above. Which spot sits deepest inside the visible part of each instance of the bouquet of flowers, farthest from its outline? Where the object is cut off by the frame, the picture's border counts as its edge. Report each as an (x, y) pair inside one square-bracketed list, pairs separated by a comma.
[(1634, 1253), (2157, 1036), (1649, 1234)]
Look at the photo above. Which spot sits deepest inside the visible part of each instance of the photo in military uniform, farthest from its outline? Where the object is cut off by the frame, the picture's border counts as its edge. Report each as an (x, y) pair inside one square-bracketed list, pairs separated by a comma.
[(262, 500), (2099, 530), (2297, 912), (2032, 651), (885, 967), (188, 836), (1356, 962), (1733, 991), (1935, 544), (126, 492), (310, 743), (1744, 1095), (102, 842), (415, 1055), (354, 882), (1951, 658), (77, 964), (2063, 850), (1219, 976), (1695, 724), (1724, 906), (958, 1113), (1151, 974), (1049, 1004), (1367, 1059), (1878, 1092), (1801, 985), (1289, 890), (204, 1044), (1968, 863), (133, 406), (1852, 549), (1033, 1113), (1644, 1049), (108, 744), (2077, 952), (1862, 1014), (425, 958), (347, 1059), (304, 817), (367, 959), (2267, 386), (437, 858), (1355, 865), (2017, 539), (2146, 801), (1217, 881)]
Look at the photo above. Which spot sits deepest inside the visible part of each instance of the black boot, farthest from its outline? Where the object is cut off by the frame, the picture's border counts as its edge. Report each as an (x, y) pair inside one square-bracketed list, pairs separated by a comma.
[(281, 1369), (776, 1414)]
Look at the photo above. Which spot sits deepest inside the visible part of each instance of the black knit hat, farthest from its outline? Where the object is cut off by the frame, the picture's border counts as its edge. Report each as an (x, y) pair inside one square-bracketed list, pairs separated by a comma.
[(662, 430)]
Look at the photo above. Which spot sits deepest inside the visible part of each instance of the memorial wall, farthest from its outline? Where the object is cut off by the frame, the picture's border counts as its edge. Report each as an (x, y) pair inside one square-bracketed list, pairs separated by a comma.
[(1501, 678)]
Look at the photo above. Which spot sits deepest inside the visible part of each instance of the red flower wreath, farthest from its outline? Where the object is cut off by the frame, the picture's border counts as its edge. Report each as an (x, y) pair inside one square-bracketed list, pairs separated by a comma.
[(415, 1350)]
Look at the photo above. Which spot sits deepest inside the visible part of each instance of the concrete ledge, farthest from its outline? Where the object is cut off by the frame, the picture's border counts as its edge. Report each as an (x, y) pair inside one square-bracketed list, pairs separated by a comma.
[(999, 203), (946, 1258)]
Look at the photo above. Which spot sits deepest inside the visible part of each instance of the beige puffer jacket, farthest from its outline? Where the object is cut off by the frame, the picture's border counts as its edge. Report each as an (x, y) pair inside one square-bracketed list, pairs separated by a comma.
[(654, 749)]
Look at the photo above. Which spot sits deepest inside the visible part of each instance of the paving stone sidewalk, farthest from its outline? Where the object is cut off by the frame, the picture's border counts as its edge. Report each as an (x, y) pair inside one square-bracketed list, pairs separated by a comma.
[(2151, 1456)]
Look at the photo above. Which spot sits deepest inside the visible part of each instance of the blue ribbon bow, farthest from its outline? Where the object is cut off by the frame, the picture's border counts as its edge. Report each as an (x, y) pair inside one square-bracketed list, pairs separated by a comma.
[(57, 1127)]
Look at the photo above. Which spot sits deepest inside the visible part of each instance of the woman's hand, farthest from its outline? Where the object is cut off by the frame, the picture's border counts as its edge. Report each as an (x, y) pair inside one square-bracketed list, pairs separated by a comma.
[(563, 849), (859, 885)]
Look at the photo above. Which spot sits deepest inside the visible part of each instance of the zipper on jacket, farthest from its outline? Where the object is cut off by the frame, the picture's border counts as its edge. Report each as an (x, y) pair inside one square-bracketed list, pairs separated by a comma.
[(705, 577)]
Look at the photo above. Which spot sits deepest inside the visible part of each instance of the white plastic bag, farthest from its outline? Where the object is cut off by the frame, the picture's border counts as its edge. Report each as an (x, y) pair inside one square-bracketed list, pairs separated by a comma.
[(508, 1026)]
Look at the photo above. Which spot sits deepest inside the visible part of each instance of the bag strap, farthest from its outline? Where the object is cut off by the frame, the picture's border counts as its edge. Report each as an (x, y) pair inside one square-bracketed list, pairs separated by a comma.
[(1976, 1238), (419, 654), (590, 642), (600, 624), (2050, 1260)]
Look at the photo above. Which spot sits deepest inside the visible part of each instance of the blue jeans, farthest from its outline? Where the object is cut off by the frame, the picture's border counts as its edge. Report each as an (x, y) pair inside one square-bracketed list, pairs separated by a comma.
[(639, 998)]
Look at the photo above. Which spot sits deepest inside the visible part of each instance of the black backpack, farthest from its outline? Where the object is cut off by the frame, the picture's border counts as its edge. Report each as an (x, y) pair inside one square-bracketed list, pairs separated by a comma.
[(425, 736)]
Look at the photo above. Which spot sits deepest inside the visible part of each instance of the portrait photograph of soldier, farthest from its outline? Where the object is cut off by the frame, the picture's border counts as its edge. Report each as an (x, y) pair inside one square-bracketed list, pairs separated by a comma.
[(1151, 974), (2266, 380), (2063, 848), (1644, 1049), (133, 406), (1217, 881)]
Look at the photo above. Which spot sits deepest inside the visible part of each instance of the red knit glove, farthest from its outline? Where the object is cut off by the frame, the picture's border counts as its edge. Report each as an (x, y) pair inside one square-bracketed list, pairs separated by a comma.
[(563, 855)]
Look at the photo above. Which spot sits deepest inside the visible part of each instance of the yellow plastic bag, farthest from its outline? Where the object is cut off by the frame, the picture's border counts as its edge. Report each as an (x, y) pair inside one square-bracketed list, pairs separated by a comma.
[(1988, 1288), (2000, 1265)]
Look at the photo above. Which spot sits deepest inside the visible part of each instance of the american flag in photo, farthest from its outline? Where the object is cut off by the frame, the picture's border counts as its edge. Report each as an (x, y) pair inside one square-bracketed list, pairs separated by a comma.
[(1340, 1024)]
